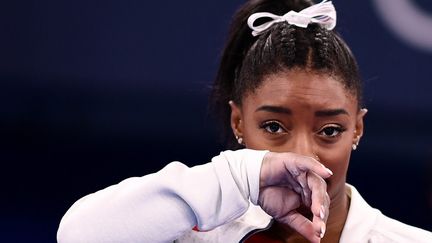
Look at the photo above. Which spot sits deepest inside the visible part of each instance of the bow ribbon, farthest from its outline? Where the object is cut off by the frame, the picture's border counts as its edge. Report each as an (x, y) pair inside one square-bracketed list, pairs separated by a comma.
[(323, 13)]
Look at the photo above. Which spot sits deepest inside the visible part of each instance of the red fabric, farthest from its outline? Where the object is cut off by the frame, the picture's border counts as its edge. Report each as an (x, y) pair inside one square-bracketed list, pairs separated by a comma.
[(195, 228), (260, 237)]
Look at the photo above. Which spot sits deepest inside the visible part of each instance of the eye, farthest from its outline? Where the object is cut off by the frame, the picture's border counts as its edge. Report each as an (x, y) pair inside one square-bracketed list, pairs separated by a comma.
[(331, 131), (272, 127)]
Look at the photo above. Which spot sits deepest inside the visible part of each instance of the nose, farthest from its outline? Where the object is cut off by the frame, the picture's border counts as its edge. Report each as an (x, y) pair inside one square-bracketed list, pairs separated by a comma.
[(301, 143)]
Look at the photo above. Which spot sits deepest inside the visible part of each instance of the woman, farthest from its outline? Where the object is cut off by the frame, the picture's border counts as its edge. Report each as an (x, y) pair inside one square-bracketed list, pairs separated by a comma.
[(291, 87)]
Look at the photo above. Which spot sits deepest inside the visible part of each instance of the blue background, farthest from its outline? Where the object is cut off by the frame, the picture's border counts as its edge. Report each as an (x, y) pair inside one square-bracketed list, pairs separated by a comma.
[(92, 92)]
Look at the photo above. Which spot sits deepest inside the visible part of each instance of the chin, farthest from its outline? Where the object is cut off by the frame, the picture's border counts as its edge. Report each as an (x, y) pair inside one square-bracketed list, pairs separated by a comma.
[(334, 188)]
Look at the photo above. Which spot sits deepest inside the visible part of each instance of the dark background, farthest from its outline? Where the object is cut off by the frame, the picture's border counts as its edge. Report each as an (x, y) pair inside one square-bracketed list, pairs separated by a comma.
[(92, 92)]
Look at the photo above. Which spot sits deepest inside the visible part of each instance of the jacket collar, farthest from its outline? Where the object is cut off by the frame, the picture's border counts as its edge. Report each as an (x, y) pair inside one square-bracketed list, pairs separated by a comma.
[(356, 227)]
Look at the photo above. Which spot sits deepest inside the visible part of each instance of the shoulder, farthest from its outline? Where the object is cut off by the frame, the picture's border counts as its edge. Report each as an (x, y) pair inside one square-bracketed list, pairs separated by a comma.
[(367, 224)]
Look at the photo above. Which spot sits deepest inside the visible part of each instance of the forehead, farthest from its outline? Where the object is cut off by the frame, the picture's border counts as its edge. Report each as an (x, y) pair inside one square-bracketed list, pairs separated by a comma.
[(302, 88)]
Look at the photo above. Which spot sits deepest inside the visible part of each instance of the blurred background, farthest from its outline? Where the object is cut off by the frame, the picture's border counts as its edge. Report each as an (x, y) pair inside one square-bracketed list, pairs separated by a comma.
[(93, 92)]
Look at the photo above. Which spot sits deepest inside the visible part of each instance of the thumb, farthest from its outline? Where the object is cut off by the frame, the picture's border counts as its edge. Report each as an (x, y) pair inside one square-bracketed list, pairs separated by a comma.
[(296, 163)]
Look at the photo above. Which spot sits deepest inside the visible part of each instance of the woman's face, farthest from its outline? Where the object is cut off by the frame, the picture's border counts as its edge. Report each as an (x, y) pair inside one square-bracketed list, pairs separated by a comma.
[(304, 113)]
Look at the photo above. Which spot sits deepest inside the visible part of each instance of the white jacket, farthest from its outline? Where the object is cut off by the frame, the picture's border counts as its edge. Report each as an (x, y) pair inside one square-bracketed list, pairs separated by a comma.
[(219, 198)]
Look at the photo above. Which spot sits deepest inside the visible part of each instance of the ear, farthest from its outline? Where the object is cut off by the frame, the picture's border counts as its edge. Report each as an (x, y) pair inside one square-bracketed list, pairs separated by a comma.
[(236, 119), (359, 127)]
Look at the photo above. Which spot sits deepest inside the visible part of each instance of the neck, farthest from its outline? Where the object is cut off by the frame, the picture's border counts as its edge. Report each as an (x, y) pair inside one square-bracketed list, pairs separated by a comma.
[(338, 213)]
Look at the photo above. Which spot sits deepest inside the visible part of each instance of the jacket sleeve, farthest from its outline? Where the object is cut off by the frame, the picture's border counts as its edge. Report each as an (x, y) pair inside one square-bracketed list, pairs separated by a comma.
[(162, 206)]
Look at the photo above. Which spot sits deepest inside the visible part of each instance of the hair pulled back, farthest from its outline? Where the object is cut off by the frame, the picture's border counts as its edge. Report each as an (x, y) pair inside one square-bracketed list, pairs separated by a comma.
[(246, 59)]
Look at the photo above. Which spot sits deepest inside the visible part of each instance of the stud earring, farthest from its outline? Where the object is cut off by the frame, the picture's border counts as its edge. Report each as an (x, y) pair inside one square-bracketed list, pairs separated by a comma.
[(239, 140)]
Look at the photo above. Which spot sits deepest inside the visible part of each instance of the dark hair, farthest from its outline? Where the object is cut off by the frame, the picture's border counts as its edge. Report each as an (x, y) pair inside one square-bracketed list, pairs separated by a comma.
[(246, 59)]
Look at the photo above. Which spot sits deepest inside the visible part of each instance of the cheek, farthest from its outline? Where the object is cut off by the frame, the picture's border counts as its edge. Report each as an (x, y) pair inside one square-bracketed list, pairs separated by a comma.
[(254, 141), (337, 157), (337, 160), (256, 138), (253, 136)]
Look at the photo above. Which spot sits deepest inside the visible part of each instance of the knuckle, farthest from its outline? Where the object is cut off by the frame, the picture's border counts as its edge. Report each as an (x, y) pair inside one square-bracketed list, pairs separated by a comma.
[(322, 182), (327, 198), (319, 181)]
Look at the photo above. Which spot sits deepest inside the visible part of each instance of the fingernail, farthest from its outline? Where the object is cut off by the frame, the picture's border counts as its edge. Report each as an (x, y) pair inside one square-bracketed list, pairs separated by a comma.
[(329, 171), (323, 229), (322, 214)]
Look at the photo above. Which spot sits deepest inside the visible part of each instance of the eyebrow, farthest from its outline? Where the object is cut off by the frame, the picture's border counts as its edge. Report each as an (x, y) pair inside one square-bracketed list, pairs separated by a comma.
[(274, 109), (285, 110), (333, 112)]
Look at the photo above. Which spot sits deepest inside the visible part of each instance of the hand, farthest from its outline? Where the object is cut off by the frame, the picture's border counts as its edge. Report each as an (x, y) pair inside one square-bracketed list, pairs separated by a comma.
[(289, 180)]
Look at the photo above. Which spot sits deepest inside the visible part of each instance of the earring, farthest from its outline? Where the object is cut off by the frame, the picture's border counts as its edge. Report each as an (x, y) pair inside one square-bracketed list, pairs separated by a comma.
[(356, 144), (239, 140)]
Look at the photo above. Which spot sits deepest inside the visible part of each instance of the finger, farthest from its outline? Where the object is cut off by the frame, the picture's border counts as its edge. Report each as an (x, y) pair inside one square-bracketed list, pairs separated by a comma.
[(305, 191), (295, 184), (277, 201), (302, 225), (320, 202), (305, 163)]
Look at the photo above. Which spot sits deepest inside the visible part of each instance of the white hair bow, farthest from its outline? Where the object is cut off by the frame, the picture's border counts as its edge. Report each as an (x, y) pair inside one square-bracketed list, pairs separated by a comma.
[(323, 13)]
